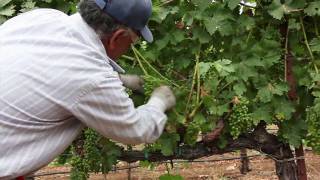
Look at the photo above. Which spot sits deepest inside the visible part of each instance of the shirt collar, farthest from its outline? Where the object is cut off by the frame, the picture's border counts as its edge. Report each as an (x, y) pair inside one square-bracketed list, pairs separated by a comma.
[(115, 66), (76, 18)]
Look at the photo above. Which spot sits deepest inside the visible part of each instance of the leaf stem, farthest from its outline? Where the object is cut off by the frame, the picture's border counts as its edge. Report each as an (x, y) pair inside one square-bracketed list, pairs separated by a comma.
[(157, 72), (249, 35), (128, 57), (286, 54), (316, 27), (192, 86), (305, 39), (307, 44), (225, 86), (140, 63), (194, 111), (198, 77)]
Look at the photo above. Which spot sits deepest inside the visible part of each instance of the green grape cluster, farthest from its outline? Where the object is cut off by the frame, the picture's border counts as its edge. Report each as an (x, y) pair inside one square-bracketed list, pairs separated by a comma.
[(313, 136), (240, 120), (87, 158), (151, 82), (91, 149), (80, 168)]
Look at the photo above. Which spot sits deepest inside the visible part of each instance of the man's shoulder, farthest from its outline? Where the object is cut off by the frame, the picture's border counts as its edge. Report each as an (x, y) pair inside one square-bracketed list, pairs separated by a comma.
[(42, 16), (45, 12)]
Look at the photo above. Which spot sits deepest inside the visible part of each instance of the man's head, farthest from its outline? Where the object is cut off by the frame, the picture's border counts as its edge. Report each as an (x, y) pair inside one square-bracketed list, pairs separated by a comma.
[(119, 23)]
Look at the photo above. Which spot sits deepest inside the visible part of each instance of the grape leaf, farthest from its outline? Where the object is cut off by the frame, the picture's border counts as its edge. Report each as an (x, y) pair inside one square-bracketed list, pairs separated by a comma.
[(293, 131), (313, 8), (277, 9), (7, 11), (315, 45), (204, 68), (202, 4), (4, 3), (264, 94), (201, 35), (239, 88), (233, 3), (262, 113), (168, 143)]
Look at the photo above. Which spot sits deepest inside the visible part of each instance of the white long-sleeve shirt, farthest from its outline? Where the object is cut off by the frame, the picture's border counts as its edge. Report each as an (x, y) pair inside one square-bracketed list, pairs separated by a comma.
[(56, 78)]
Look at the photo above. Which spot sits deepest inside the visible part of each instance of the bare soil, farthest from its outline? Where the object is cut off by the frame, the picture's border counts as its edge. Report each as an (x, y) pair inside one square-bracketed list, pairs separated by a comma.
[(262, 168)]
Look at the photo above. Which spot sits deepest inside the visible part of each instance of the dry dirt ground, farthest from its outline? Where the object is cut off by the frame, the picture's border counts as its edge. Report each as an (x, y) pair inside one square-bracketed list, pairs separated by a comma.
[(262, 169)]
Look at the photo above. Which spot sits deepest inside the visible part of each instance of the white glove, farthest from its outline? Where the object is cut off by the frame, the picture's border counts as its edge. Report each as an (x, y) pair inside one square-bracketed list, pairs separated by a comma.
[(133, 82), (162, 98)]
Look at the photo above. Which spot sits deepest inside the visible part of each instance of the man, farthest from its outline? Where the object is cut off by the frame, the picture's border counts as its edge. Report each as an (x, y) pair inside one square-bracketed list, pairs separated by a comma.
[(57, 75)]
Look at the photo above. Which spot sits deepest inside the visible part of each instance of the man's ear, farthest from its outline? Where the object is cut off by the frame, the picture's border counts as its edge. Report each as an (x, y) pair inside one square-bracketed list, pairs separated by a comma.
[(117, 37), (117, 43)]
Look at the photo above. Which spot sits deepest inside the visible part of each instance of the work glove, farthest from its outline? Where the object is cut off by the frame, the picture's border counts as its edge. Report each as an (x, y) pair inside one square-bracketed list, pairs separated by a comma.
[(133, 82), (162, 98)]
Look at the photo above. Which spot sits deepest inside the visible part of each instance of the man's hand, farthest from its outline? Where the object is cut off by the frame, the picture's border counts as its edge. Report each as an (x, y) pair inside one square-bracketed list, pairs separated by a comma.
[(163, 98), (133, 82)]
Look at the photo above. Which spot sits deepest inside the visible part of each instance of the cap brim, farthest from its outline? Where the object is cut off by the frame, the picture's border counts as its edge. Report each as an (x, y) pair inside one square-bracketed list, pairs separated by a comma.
[(146, 34)]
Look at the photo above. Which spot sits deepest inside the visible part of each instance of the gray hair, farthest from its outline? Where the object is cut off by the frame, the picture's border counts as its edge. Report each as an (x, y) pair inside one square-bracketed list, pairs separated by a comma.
[(101, 22)]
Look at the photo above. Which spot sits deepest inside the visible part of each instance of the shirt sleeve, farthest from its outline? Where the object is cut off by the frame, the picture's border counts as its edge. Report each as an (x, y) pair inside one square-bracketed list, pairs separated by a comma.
[(108, 109)]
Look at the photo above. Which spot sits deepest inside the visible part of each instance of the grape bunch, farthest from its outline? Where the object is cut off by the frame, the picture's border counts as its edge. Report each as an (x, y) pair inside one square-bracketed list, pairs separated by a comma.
[(91, 149), (313, 136), (80, 168), (240, 120), (87, 157)]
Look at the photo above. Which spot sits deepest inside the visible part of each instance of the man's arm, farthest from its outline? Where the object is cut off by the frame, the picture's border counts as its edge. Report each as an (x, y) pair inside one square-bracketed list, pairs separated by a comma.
[(108, 109)]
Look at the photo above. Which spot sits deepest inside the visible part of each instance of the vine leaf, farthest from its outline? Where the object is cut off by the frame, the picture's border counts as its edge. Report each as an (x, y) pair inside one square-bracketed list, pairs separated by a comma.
[(284, 108), (293, 131), (262, 113), (239, 88), (278, 9), (315, 44), (6, 10), (313, 8), (202, 4), (233, 3), (264, 94), (204, 68), (221, 21), (168, 142), (201, 35)]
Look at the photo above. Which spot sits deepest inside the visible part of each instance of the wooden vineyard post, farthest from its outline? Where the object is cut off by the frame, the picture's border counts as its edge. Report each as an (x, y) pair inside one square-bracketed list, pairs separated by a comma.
[(244, 169), (292, 94)]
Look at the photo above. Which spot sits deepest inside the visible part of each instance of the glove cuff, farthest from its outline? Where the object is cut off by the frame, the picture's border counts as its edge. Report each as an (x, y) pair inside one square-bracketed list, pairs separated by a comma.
[(158, 103)]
